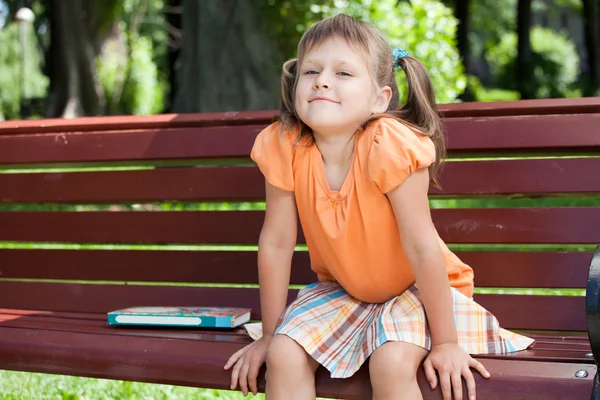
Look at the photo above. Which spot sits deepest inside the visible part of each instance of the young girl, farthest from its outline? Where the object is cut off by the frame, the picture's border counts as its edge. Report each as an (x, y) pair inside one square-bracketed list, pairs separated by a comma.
[(356, 170)]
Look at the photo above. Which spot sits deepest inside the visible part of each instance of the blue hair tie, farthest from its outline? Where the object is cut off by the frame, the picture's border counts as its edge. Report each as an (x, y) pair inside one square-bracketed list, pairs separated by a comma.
[(398, 53)]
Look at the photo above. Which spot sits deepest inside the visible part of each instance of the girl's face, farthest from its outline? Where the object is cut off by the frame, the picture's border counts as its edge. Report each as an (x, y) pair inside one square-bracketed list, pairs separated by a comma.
[(335, 92)]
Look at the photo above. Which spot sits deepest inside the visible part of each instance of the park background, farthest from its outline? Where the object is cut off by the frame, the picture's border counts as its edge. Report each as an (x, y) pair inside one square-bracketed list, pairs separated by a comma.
[(74, 58)]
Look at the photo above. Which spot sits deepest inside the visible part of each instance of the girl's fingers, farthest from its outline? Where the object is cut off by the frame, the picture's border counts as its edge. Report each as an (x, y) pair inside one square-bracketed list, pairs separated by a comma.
[(233, 359), (479, 367), (470, 380), (457, 385), (446, 385), (252, 377), (244, 378), (430, 373), (236, 373)]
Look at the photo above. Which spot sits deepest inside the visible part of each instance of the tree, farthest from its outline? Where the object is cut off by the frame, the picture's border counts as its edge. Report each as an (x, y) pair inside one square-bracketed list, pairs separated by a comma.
[(462, 13), (78, 31), (173, 13), (228, 59), (591, 16), (524, 66)]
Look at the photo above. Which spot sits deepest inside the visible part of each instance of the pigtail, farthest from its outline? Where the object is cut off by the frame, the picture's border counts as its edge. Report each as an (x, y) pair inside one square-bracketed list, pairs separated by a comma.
[(288, 85), (421, 110)]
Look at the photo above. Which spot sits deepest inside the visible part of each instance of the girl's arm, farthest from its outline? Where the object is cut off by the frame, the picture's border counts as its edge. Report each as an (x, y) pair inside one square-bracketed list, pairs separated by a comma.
[(421, 245), (422, 248), (275, 249)]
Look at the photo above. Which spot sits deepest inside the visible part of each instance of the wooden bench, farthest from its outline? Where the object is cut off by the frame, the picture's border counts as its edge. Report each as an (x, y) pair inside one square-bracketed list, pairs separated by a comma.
[(53, 299)]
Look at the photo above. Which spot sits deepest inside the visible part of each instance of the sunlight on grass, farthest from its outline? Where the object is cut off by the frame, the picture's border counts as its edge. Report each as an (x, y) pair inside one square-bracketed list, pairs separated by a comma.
[(33, 386)]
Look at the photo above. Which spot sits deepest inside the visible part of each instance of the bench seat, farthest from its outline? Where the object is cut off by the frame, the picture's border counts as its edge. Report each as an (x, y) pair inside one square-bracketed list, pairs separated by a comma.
[(83, 344)]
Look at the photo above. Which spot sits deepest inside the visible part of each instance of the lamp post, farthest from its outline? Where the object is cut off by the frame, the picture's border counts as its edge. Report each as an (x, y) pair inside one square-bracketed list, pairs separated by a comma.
[(25, 17)]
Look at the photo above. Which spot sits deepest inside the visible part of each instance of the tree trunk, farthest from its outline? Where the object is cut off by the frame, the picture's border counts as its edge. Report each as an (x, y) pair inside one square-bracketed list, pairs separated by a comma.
[(524, 67), (173, 18), (227, 58), (462, 13), (591, 16), (78, 28)]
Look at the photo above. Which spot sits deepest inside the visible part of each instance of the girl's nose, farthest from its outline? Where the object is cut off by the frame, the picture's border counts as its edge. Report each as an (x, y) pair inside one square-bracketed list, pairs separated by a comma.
[(321, 82)]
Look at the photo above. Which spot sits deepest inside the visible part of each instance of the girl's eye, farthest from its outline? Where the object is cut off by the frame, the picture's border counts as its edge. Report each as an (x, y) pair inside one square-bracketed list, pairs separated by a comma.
[(311, 72), (344, 73)]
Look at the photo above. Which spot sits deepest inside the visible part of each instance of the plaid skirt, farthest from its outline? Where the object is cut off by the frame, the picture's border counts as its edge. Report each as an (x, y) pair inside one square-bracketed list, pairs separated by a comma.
[(341, 332)]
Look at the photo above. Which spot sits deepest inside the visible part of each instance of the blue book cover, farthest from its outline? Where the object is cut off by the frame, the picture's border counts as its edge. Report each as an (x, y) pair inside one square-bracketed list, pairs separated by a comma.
[(204, 317)]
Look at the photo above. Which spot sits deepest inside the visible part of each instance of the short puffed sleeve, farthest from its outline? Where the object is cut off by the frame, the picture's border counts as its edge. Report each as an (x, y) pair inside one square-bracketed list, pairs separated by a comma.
[(273, 152), (396, 151)]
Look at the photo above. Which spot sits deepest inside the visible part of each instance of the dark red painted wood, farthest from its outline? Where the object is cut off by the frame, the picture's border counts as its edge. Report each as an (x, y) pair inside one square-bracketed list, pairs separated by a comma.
[(97, 327), (568, 353), (492, 269), (531, 133), (528, 269), (567, 341), (138, 122), (516, 225), (160, 142), (522, 107), (124, 145), (527, 177), (189, 184), (566, 338), (199, 363), (535, 312), (111, 123)]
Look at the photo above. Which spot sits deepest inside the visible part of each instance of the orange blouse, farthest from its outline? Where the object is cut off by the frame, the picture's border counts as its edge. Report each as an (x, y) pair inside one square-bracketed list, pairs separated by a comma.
[(352, 234)]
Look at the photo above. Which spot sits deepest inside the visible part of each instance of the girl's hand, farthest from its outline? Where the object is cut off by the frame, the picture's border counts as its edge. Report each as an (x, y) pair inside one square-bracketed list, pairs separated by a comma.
[(246, 364), (452, 363)]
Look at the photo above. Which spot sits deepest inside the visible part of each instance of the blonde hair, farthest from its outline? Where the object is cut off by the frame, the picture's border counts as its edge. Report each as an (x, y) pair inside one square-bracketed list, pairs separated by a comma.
[(420, 110)]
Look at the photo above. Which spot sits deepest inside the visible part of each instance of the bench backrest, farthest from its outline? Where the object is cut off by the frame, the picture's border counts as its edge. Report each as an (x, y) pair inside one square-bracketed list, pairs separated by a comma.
[(134, 234)]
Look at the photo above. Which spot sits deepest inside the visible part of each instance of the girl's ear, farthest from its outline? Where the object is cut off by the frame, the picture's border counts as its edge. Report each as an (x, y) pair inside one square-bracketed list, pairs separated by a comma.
[(383, 100)]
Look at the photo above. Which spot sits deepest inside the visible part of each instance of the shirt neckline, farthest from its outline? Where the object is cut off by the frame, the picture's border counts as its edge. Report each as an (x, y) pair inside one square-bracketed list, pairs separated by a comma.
[(344, 190)]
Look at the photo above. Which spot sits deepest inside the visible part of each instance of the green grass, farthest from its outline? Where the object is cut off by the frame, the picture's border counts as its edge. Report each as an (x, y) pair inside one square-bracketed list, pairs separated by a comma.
[(28, 386)]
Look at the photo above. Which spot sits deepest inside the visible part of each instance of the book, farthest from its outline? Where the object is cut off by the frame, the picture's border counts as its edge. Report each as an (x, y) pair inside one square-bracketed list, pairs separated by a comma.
[(204, 317)]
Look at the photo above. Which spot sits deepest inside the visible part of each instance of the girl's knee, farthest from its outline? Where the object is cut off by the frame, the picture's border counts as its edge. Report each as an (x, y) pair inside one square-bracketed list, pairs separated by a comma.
[(284, 353), (396, 361)]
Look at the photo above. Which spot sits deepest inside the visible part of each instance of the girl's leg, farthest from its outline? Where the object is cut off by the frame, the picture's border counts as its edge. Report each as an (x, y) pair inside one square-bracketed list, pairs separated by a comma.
[(393, 369), (290, 371)]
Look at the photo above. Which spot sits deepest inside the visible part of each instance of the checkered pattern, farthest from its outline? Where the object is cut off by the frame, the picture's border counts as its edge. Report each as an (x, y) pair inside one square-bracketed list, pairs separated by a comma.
[(341, 332)]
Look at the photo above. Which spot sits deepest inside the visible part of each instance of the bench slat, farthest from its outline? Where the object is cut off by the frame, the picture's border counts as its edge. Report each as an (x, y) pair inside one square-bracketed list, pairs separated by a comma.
[(142, 359), (566, 352), (525, 177), (569, 225), (111, 123), (531, 133), (492, 269), (471, 134), (535, 312), (565, 340)]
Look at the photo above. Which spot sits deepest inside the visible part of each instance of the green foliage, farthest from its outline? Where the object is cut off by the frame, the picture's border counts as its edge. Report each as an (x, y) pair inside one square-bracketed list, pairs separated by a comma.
[(555, 63), (490, 20), (133, 83), (143, 92), (491, 94), (36, 83)]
